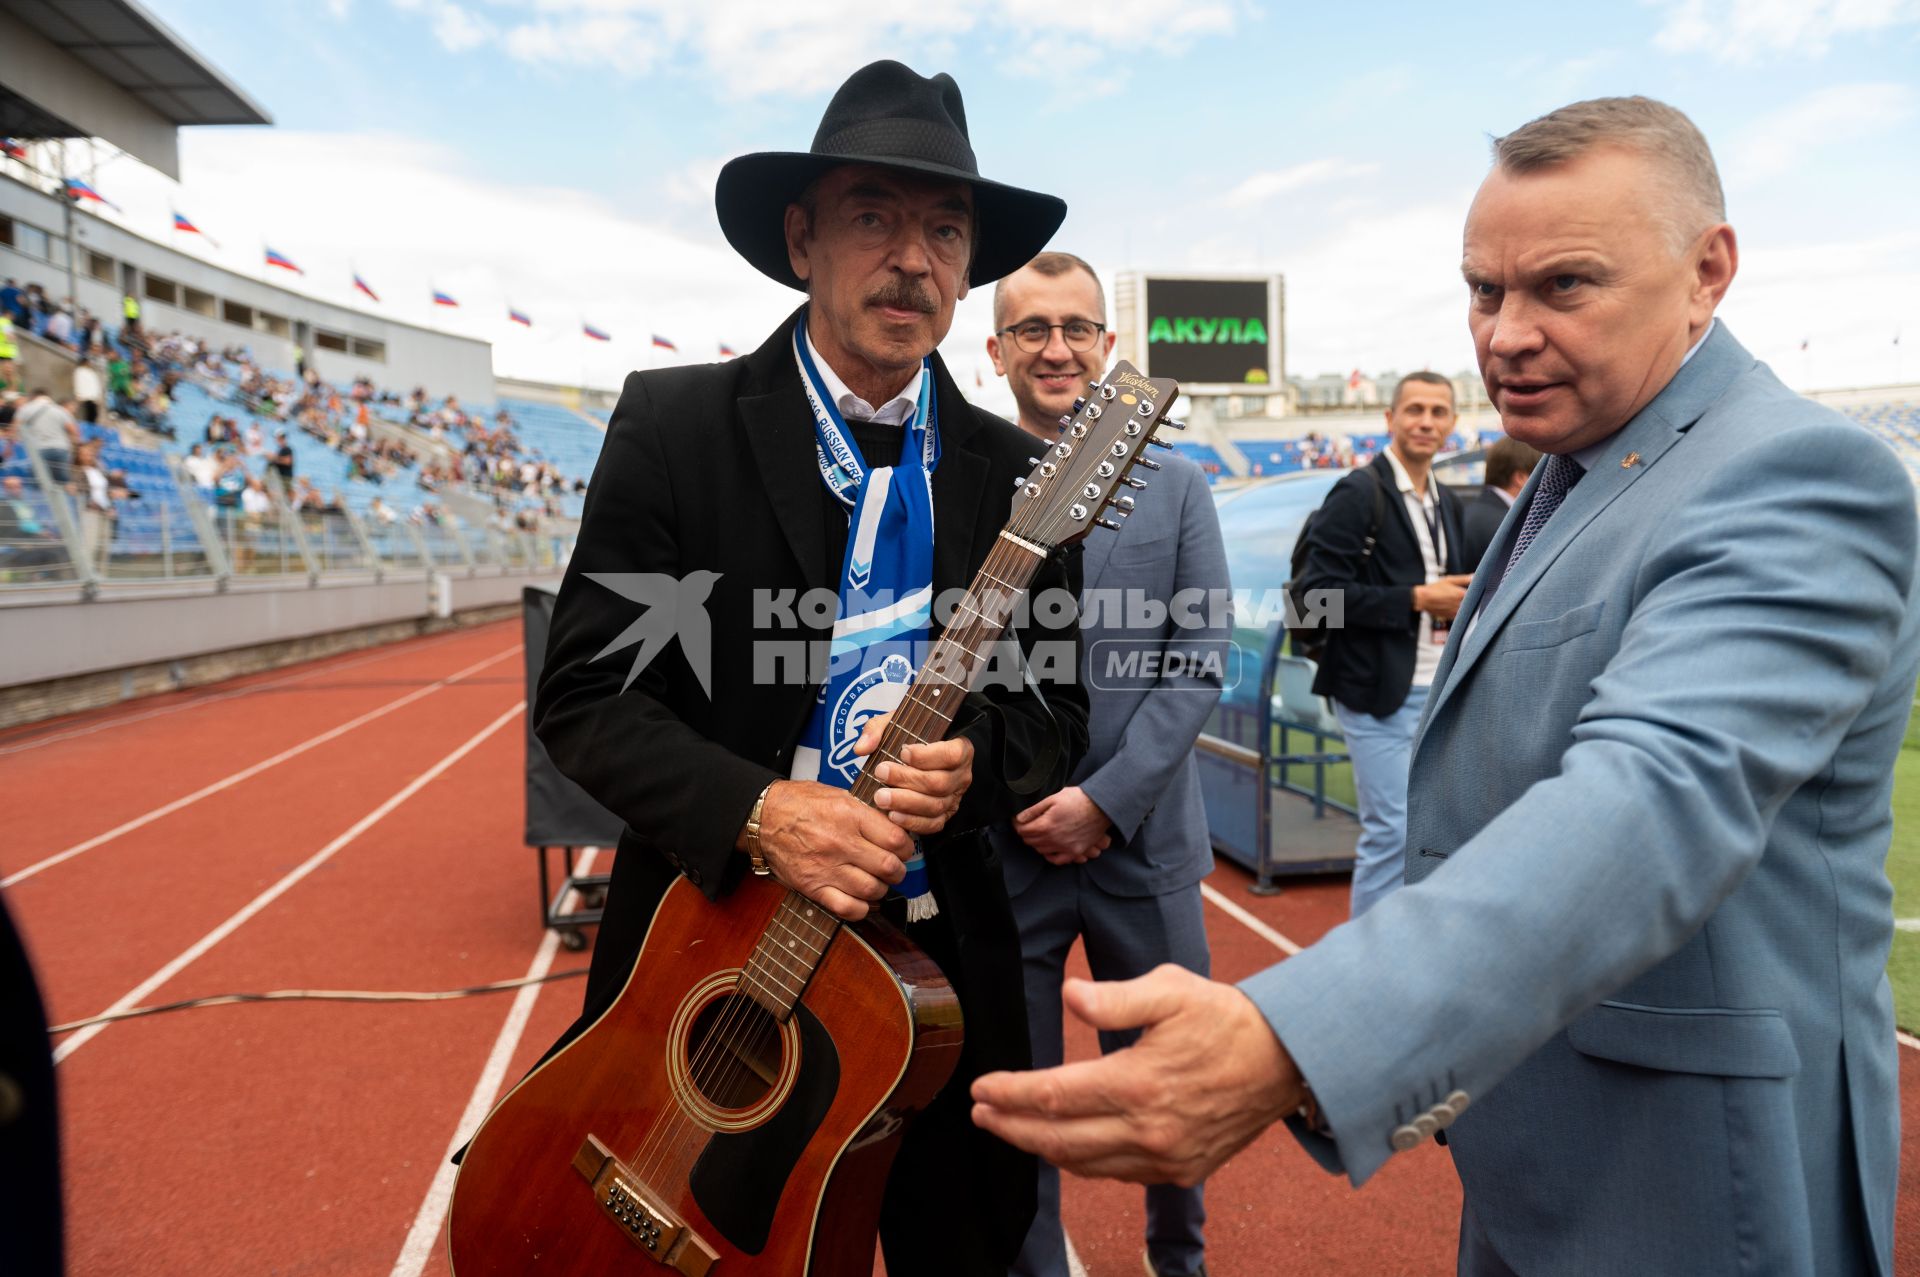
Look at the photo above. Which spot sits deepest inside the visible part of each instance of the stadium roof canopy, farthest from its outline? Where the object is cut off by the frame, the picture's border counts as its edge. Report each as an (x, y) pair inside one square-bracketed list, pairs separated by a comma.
[(109, 69)]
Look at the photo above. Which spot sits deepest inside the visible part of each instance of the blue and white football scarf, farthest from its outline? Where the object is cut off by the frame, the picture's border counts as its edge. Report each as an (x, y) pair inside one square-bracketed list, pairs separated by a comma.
[(886, 591)]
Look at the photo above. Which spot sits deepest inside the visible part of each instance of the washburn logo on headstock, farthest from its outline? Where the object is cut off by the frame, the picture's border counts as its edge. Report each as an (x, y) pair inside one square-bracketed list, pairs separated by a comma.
[(1134, 381)]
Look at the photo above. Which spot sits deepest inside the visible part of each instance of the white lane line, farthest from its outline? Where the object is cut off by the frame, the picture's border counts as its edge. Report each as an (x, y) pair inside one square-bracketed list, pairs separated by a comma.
[(418, 1248), (382, 653), (278, 889), (1074, 1267), (248, 773), (1907, 1039), (1252, 923), (1906, 924)]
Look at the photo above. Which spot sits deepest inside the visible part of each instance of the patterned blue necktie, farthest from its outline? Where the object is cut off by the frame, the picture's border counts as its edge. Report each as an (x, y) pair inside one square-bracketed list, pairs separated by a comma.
[(1555, 483)]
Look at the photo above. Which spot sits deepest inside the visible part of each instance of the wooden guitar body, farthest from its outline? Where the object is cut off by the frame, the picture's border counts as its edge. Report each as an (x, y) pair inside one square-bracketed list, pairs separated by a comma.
[(688, 1130)]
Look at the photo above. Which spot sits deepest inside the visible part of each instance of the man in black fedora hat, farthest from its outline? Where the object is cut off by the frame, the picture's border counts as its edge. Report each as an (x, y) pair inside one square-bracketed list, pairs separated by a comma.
[(837, 457)]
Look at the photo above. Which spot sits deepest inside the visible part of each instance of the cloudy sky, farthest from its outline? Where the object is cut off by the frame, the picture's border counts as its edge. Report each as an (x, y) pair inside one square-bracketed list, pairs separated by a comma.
[(560, 154)]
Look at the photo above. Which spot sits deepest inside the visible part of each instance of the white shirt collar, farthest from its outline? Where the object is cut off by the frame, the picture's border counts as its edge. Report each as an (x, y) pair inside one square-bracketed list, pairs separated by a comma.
[(1591, 453), (1401, 479), (1695, 348), (1506, 498), (896, 411)]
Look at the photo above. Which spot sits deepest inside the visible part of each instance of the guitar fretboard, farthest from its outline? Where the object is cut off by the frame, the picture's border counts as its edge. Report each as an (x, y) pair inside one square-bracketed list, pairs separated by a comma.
[(797, 937)]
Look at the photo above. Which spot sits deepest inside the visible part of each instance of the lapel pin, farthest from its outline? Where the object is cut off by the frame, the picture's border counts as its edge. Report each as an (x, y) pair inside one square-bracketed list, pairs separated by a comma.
[(1629, 461)]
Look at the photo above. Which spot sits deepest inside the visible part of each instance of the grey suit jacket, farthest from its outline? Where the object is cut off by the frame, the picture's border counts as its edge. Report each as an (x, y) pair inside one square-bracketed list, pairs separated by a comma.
[(1142, 722), (1641, 970)]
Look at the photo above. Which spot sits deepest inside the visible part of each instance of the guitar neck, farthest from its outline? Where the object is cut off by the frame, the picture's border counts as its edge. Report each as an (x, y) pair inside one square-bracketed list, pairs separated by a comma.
[(957, 659), (796, 939)]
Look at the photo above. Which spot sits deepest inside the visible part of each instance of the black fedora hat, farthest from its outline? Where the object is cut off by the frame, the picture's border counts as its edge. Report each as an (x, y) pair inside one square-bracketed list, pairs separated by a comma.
[(886, 115)]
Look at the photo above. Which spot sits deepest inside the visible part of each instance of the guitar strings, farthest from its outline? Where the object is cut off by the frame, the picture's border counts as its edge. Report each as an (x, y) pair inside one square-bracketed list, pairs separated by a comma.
[(711, 1060), (713, 1049), (1004, 566)]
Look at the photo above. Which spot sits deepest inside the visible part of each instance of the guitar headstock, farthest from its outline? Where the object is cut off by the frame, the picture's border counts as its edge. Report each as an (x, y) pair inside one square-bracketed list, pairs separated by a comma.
[(1074, 483)]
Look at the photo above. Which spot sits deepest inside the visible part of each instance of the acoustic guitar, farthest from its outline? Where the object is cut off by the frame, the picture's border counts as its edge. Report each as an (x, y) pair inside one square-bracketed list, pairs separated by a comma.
[(736, 1110)]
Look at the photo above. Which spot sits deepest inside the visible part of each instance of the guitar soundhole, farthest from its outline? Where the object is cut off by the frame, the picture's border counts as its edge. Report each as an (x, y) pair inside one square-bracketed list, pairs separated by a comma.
[(733, 1052)]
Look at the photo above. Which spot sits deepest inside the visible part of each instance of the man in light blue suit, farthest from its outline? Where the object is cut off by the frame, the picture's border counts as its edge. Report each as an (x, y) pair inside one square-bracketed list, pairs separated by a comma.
[(1117, 856), (1638, 978)]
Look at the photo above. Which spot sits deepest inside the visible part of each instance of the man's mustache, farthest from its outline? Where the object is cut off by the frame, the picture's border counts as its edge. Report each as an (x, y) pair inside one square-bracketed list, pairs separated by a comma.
[(903, 294)]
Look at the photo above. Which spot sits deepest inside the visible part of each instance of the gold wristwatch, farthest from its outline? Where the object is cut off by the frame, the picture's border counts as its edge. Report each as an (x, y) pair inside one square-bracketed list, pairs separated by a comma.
[(755, 856)]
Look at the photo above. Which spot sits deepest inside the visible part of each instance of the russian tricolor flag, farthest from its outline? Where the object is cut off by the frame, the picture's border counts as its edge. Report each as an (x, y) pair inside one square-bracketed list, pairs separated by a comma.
[(79, 190), (283, 262), (594, 334), (726, 351), (519, 317), (360, 286), (181, 222), (664, 344), (442, 299)]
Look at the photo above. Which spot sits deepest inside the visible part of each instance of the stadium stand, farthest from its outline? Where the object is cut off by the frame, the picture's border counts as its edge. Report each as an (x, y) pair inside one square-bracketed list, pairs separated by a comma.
[(188, 442), (561, 437), (1204, 456)]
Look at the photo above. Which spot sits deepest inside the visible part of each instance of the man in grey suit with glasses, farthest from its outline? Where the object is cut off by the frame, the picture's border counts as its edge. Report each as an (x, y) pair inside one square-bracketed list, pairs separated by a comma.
[(1116, 857), (1638, 974)]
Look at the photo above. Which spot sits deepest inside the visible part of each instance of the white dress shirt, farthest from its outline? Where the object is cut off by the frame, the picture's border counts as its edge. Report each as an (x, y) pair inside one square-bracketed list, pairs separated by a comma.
[(896, 411), (1423, 508)]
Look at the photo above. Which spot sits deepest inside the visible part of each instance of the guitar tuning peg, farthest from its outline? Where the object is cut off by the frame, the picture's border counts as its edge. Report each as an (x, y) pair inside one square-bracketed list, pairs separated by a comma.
[(1171, 424), (1133, 483), (1106, 523), (1094, 384), (1078, 404), (1033, 461), (1158, 442), (1146, 464), (1123, 503), (1068, 419)]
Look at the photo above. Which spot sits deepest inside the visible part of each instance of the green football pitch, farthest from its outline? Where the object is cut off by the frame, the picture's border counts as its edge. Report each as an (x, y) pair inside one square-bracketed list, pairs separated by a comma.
[(1903, 866)]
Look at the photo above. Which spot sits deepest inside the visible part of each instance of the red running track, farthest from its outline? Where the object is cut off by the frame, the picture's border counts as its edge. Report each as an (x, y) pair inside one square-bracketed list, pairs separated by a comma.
[(355, 824)]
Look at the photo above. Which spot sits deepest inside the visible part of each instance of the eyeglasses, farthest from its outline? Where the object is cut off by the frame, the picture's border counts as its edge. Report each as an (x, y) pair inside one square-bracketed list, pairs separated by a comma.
[(1033, 336)]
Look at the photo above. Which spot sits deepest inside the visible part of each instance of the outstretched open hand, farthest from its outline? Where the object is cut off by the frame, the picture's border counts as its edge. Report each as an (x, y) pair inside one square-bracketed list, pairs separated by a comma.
[(1205, 1078)]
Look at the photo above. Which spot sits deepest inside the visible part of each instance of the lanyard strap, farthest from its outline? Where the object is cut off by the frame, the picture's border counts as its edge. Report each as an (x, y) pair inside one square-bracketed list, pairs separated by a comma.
[(842, 468), (1432, 521)]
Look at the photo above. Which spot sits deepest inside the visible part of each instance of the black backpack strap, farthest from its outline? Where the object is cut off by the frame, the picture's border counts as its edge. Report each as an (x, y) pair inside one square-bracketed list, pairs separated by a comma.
[(1379, 513)]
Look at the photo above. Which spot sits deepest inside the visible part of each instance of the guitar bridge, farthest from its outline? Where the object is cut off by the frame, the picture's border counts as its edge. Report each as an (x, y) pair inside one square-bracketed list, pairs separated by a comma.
[(649, 1223)]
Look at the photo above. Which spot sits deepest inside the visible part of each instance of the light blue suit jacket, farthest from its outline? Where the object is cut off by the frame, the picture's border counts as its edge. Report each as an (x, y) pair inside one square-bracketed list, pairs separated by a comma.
[(1641, 973), (1139, 766)]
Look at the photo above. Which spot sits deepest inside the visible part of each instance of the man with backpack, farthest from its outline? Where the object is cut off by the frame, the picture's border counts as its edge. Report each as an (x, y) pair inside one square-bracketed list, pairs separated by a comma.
[(1388, 541)]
